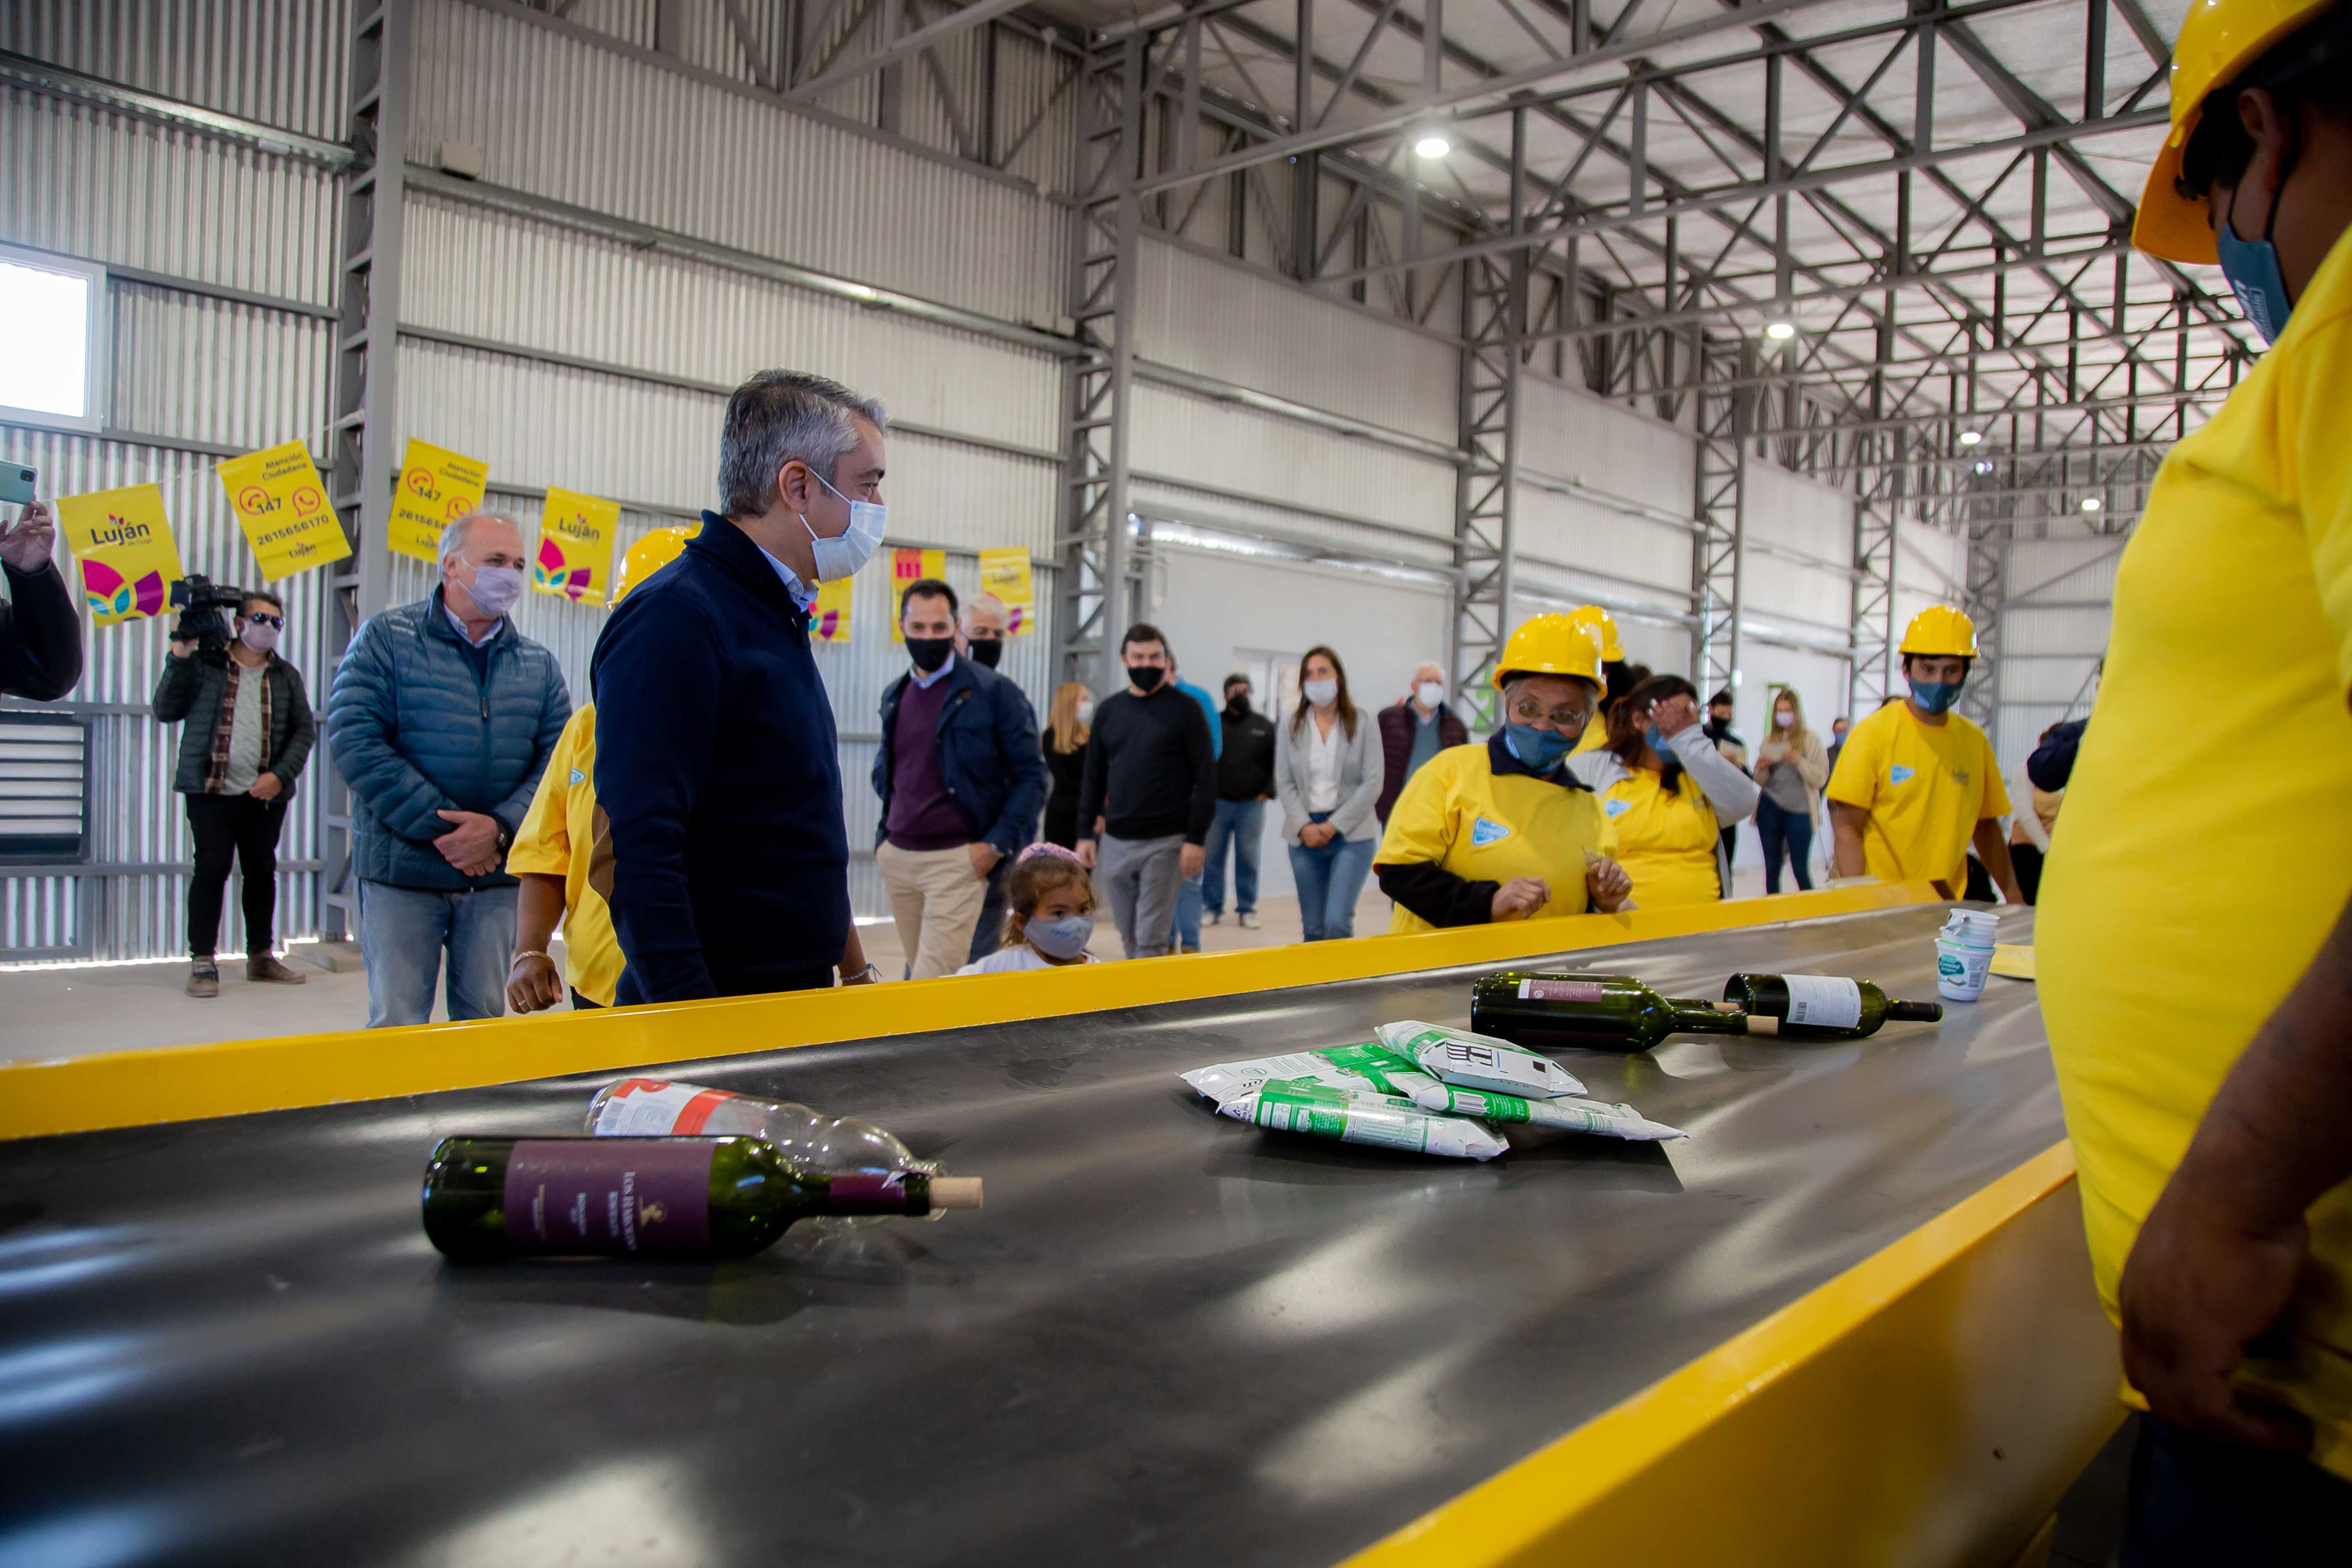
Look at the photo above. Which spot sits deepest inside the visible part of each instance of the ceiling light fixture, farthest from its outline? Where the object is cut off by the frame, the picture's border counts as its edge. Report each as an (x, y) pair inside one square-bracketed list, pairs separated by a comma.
[(2090, 503), (1970, 438), (1780, 331), (1432, 145)]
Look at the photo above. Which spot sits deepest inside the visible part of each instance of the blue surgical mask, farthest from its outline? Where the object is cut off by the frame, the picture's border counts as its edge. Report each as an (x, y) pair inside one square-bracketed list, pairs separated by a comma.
[(1934, 696), (1655, 742), (841, 555), (1540, 750), (2252, 266), (1064, 937)]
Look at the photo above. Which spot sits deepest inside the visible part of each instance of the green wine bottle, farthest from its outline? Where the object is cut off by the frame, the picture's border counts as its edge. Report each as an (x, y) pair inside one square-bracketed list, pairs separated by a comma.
[(1596, 1012), (659, 1197), (1823, 1006)]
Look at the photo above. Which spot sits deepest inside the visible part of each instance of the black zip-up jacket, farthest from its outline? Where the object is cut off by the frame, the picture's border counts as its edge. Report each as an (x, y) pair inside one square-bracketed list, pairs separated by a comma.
[(41, 635), (1151, 770), (1246, 767), (191, 689)]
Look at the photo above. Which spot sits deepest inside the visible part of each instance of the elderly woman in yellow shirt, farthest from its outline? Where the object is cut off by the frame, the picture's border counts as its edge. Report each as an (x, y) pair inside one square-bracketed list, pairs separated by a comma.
[(1667, 792), (1501, 831)]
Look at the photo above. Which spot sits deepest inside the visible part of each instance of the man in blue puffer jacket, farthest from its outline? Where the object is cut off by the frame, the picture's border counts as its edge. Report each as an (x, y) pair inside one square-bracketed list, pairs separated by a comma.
[(442, 717)]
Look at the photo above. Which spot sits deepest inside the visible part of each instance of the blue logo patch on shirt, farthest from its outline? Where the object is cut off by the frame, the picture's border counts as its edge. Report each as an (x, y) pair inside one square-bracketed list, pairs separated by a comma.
[(579, 777), (1616, 808), (1483, 832), (1898, 773)]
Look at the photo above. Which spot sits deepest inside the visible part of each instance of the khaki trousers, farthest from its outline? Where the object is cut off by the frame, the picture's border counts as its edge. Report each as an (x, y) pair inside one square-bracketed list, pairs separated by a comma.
[(935, 898)]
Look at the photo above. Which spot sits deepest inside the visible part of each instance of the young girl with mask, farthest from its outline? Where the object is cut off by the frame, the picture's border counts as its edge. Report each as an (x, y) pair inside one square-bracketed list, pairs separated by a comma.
[(1053, 914), (1667, 790)]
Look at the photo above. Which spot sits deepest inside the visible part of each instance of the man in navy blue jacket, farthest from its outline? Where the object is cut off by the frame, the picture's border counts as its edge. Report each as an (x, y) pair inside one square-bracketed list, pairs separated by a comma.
[(724, 857), (442, 717), (962, 781)]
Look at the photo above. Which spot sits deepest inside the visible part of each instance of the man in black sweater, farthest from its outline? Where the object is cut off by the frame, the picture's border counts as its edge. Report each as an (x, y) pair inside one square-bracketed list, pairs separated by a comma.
[(1151, 781), (1244, 783)]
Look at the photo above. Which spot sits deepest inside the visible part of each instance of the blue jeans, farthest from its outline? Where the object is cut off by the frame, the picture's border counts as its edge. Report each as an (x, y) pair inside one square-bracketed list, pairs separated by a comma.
[(1330, 878), (403, 932), (2197, 1500), (1242, 824), (1188, 916), (1790, 829)]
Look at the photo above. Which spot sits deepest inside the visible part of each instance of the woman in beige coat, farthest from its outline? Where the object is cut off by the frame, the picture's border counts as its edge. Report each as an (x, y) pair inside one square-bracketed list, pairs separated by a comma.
[(1792, 766)]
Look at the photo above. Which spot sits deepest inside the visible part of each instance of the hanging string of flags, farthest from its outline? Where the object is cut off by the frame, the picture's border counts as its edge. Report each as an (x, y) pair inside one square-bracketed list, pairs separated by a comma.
[(121, 539)]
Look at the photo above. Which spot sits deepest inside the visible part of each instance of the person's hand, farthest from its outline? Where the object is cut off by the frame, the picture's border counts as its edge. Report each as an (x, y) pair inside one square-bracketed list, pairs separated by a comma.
[(1607, 884), (1674, 715), (181, 647), (26, 542), (268, 787), (1191, 860), (1315, 834), (2200, 1283), (1520, 898), (472, 846), (984, 856), (533, 983), (1086, 853)]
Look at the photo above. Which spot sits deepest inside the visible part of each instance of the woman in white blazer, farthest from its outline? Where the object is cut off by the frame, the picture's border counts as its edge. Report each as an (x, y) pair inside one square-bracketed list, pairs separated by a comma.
[(1327, 774)]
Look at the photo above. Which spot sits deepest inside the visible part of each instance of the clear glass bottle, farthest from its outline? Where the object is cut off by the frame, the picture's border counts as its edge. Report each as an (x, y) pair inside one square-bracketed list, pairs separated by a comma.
[(653, 1108)]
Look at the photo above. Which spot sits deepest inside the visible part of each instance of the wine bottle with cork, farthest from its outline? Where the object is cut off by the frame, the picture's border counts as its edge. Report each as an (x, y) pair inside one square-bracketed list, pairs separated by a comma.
[(1823, 1006), (1595, 1012), (489, 1197)]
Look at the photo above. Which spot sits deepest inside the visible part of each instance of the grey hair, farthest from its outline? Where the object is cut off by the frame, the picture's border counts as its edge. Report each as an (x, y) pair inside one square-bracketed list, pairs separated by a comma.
[(781, 416), (453, 538)]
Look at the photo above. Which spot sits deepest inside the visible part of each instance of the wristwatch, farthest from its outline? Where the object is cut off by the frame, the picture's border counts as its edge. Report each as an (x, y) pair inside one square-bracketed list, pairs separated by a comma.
[(506, 835)]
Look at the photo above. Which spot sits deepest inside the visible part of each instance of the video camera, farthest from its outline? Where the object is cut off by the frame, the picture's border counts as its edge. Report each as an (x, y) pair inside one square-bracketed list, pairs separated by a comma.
[(201, 602)]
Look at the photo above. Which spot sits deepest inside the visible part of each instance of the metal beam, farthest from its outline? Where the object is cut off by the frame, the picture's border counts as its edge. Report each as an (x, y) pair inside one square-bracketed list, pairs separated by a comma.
[(904, 46)]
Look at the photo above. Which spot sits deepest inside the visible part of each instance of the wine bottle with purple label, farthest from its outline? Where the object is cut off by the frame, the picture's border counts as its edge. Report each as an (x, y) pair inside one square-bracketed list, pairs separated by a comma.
[(648, 1197), (1594, 1012), (1823, 1006)]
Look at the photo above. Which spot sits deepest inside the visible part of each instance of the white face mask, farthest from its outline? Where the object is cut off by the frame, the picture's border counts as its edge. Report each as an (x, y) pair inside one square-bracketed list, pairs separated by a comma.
[(495, 589), (841, 555), (1086, 712), (1322, 693), (1431, 692), (258, 638), (1784, 721)]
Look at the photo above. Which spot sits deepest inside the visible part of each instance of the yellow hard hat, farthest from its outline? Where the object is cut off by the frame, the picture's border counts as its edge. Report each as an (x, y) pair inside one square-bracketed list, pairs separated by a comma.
[(1550, 644), (1941, 631), (649, 554), (1596, 621), (2219, 38)]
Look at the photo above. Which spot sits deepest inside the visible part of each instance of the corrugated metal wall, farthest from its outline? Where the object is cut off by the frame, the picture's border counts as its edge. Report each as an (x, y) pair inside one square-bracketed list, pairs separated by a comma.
[(2053, 631), (191, 377)]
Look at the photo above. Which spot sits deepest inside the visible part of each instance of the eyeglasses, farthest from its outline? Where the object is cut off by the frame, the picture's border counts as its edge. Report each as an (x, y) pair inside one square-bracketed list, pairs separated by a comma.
[(1527, 712), (262, 620)]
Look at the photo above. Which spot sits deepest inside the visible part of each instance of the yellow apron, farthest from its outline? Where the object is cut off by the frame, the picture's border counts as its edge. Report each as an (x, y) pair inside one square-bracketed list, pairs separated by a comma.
[(1666, 842)]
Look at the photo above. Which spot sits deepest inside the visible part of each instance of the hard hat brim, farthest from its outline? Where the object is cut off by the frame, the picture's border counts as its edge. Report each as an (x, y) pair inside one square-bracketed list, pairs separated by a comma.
[(2169, 226)]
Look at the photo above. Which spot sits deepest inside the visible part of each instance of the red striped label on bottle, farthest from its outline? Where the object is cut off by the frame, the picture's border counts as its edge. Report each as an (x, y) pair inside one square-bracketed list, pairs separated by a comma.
[(652, 1107)]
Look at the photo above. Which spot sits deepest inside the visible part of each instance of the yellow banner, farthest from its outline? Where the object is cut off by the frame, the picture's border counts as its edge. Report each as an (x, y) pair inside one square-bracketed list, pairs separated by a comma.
[(1005, 574), (829, 617), (437, 487), (283, 508), (574, 560), (122, 542), (911, 566)]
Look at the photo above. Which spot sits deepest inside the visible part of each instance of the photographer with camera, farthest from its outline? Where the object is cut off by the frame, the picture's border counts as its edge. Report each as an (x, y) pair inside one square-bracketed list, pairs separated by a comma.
[(248, 733), (40, 634)]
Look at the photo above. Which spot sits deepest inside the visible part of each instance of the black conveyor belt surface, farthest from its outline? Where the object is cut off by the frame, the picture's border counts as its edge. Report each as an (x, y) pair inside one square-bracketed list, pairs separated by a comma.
[(1167, 1337)]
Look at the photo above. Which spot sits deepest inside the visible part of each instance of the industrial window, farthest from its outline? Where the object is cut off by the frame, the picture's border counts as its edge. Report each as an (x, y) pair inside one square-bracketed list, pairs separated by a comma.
[(44, 789), (53, 324)]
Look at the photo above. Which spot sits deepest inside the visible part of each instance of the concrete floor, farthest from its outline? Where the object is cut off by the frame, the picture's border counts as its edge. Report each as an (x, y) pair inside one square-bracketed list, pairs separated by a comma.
[(75, 1012)]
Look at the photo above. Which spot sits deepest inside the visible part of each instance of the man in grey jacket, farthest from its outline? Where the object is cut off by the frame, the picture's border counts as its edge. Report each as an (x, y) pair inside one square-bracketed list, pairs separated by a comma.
[(442, 717)]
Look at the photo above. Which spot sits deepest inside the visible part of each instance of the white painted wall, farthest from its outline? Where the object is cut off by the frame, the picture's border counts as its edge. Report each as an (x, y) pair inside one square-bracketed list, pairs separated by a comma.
[(1223, 612)]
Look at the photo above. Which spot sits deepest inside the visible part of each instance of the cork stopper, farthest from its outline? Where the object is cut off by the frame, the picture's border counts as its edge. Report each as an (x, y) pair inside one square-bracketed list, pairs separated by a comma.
[(1762, 1023), (955, 1192)]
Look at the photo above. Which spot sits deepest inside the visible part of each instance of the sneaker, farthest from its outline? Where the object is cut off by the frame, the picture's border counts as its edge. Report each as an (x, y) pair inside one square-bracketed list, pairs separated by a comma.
[(1248, 920), (264, 969), (204, 978), (1215, 919)]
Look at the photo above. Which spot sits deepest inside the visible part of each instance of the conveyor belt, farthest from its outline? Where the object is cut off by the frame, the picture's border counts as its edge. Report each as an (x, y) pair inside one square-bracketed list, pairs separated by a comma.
[(1167, 1337)]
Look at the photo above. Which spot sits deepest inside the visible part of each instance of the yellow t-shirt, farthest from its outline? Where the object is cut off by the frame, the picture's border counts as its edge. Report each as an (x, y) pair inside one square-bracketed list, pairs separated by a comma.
[(555, 838), (1926, 786), (1667, 842), (1595, 736), (1457, 814), (2207, 849)]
